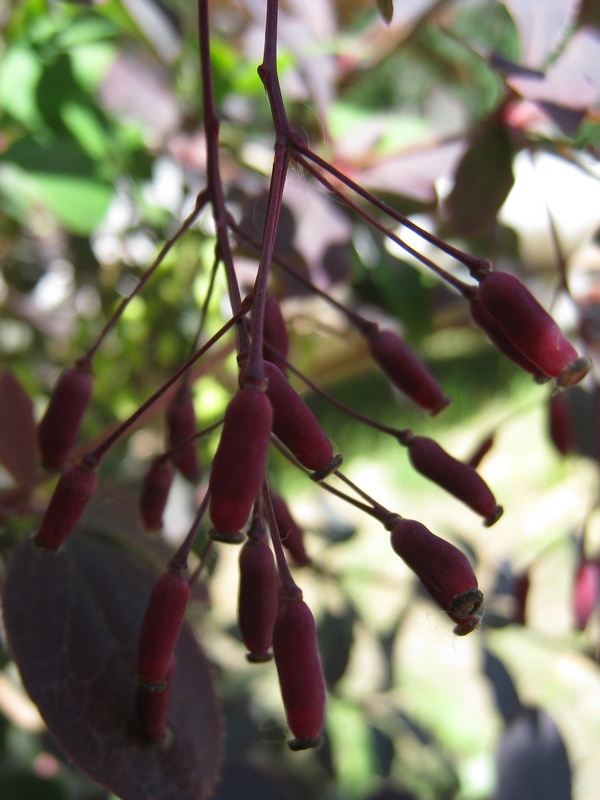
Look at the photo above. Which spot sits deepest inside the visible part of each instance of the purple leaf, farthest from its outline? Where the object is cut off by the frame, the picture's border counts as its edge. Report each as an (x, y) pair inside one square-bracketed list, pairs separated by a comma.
[(72, 621), (483, 179), (18, 440), (542, 25), (532, 760)]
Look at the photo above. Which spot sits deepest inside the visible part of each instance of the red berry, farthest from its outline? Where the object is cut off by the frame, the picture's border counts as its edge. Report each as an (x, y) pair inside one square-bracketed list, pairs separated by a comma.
[(559, 423), (530, 328), (152, 706), (406, 371), (239, 464), (258, 598), (59, 427), (160, 628), (443, 570), (295, 424), (300, 672), (454, 476), (292, 535), (498, 337), (155, 493), (275, 333), (520, 593), (586, 592), (181, 423), (73, 492)]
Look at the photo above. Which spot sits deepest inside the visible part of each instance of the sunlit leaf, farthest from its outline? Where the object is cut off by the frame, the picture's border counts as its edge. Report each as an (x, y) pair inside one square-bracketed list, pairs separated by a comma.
[(72, 622), (542, 25), (18, 440)]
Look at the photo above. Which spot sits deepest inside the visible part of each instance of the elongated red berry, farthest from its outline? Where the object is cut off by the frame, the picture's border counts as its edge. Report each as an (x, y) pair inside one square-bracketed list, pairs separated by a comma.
[(495, 333), (559, 424), (275, 333), (454, 476), (160, 628), (181, 423), (520, 593), (406, 371), (258, 597), (292, 535), (155, 493), (443, 569), (59, 427), (73, 492), (239, 464), (530, 328), (152, 706), (586, 592), (300, 672), (295, 425)]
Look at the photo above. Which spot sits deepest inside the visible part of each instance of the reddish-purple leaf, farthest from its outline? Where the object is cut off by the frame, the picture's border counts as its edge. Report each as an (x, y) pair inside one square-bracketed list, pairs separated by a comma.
[(483, 179), (18, 436), (532, 760), (72, 622), (541, 25)]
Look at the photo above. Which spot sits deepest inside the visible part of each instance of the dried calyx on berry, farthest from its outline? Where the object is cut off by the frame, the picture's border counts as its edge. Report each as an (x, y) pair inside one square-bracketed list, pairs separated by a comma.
[(296, 426), (258, 595), (444, 571), (181, 424), (239, 464), (155, 493), (530, 328), (456, 477), (71, 495), (300, 673), (59, 427), (405, 370), (151, 706)]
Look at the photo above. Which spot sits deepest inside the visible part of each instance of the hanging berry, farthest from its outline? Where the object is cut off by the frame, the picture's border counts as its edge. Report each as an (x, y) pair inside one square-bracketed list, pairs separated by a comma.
[(239, 464), (300, 672), (181, 424), (59, 427)]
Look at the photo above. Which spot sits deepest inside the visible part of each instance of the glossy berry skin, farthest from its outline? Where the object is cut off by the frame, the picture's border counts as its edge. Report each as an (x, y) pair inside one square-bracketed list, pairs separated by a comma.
[(529, 326), (300, 672), (292, 535), (59, 427), (495, 333), (73, 492), (406, 371), (294, 424), (275, 333), (444, 571), (239, 464), (155, 493), (258, 598), (181, 423), (456, 477), (160, 628)]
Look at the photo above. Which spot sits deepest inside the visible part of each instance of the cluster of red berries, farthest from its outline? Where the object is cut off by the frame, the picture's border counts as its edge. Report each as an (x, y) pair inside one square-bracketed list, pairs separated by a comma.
[(273, 617)]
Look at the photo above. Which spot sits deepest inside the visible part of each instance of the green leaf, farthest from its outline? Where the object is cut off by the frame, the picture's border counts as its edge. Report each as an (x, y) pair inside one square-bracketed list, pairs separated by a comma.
[(20, 71)]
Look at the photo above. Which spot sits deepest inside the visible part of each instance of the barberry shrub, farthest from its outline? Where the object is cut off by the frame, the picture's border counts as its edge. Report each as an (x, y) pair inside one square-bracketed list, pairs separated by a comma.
[(296, 324)]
